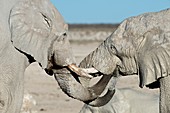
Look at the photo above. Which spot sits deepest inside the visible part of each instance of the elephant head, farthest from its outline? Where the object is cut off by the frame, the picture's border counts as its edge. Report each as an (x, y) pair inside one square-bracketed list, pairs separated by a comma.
[(139, 46), (39, 32), (36, 27)]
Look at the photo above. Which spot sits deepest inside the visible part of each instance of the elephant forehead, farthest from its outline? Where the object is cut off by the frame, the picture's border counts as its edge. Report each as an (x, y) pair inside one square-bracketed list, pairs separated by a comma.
[(42, 10), (49, 10), (134, 30)]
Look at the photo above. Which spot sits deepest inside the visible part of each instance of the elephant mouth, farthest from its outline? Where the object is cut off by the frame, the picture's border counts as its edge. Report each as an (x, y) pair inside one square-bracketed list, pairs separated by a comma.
[(82, 72)]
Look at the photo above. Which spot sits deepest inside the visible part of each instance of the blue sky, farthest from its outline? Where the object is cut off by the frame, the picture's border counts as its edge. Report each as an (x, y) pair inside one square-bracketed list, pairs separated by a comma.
[(106, 11)]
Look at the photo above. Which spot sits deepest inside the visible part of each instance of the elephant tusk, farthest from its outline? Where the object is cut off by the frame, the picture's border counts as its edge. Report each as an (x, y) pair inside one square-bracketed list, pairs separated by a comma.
[(79, 71), (90, 70)]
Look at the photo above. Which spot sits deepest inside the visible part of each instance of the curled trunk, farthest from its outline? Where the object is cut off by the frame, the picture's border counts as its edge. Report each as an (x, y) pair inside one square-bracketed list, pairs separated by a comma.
[(106, 62), (102, 59), (70, 84)]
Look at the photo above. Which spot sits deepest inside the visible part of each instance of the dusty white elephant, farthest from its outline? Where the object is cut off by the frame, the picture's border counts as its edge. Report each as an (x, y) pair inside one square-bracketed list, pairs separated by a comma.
[(33, 31), (140, 46), (126, 100)]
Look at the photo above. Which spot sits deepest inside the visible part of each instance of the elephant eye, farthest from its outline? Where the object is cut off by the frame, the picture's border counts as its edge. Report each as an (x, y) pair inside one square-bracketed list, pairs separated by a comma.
[(113, 49), (64, 34), (47, 20)]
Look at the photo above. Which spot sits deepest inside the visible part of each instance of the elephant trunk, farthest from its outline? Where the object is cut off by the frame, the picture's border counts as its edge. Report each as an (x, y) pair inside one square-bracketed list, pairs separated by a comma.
[(61, 63), (102, 59), (70, 84)]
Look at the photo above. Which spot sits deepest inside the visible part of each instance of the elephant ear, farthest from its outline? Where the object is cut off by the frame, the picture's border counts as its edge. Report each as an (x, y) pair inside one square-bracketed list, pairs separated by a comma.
[(154, 58), (30, 30)]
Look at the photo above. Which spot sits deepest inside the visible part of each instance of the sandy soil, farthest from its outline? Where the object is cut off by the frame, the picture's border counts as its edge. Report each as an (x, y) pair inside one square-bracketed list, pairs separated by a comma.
[(48, 95)]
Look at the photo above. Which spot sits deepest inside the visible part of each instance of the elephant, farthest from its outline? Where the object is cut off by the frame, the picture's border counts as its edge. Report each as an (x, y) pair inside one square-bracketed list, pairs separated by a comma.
[(127, 100), (34, 31), (139, 46)]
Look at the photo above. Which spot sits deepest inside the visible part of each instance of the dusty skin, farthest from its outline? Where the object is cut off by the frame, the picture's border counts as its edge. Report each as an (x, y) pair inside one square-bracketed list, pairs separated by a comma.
[(45, 90)]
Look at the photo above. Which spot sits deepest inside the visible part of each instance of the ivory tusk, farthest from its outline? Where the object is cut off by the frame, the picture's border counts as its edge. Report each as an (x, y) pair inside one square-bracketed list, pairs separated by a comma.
[(90, 70), (79, 71)]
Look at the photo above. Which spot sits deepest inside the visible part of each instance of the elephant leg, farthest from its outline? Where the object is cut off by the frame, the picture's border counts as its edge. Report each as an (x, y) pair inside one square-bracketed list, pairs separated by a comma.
[(164, 104)]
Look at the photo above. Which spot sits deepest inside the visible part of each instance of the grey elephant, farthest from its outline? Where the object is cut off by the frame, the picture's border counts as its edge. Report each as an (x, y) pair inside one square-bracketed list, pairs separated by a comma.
[(140, 46), (31, 31), (127, 100)]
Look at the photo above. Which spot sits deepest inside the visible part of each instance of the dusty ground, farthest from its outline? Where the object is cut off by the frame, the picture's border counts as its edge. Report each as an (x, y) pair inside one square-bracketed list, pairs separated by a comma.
[(45, 90)]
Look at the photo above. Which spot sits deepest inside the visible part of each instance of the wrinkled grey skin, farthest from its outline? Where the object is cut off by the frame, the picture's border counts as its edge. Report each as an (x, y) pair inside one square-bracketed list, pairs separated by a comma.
[(141, 46), (126, 100), (29, 31), (34, 31)]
